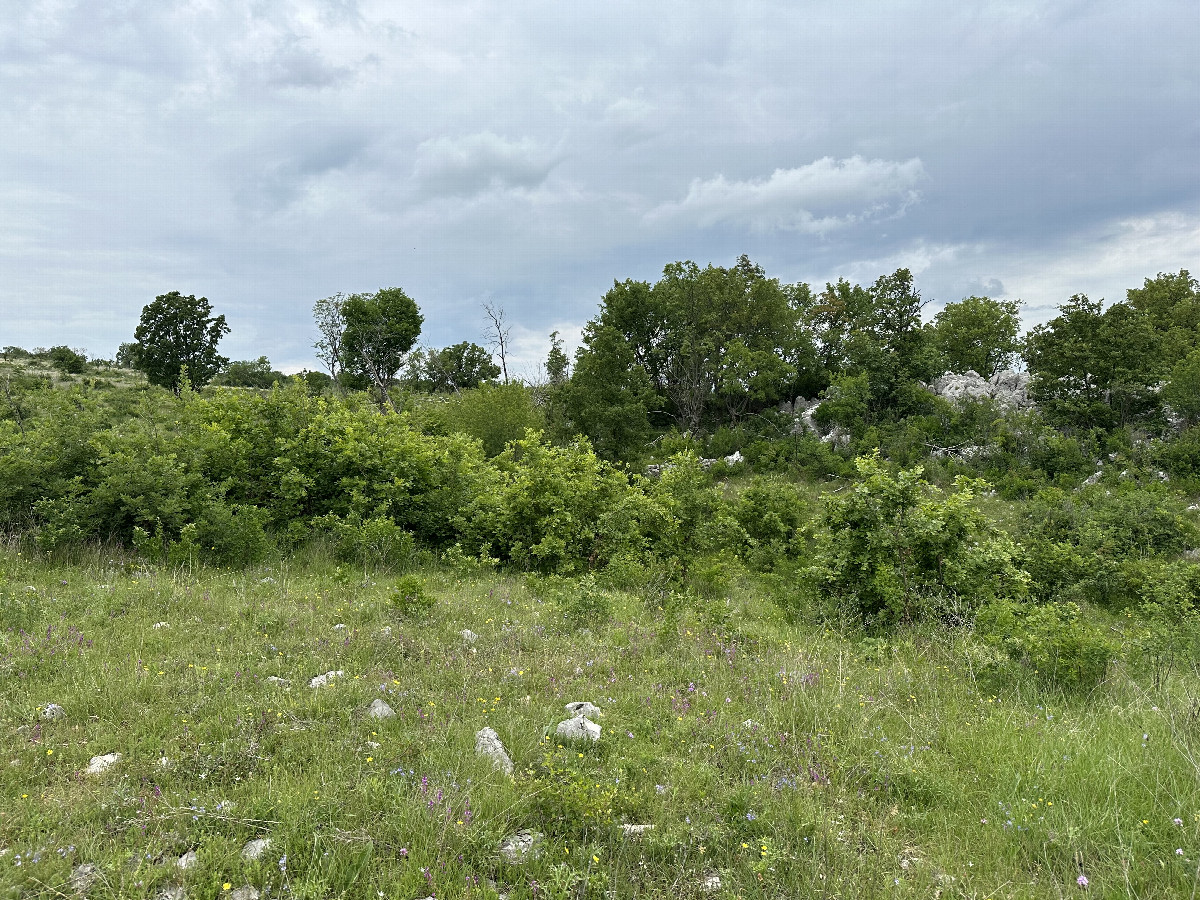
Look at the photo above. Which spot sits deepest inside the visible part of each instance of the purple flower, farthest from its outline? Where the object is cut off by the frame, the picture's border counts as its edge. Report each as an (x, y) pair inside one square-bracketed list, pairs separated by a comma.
[(1082, 881)]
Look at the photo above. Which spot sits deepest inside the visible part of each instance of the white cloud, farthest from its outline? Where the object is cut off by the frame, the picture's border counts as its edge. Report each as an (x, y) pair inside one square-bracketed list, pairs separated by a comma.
[(822, 196)]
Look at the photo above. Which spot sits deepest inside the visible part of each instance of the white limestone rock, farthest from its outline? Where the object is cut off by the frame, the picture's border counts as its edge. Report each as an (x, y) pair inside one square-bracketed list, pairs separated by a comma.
[(322, 680), (488, 743), (580, 728), (256, 848), (380, 710), (523, 845), (98, 765), (583, 708)]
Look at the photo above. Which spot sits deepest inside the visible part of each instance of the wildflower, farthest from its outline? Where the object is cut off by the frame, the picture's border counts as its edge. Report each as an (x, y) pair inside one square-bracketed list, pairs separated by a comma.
[(226, 886), (1178, 822), (1179, 851), (1082, 881)]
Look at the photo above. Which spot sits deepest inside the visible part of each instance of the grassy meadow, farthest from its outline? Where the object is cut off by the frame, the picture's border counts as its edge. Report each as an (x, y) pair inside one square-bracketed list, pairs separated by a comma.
[(772, 758)]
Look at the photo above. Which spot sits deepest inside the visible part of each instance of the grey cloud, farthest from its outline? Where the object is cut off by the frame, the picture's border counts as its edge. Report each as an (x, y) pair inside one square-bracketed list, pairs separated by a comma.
[(475, 163)]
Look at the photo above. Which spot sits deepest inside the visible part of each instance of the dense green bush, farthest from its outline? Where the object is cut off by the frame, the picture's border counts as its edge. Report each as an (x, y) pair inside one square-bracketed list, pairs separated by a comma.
[(556, 509), (495, 414), (1055, 640), (895, 549)]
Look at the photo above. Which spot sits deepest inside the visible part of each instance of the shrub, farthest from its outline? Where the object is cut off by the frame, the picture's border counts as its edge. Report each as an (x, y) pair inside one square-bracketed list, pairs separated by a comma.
[(372, 543), (555, 509), (409, 599), (495, 414), (1061, 646), (894, 549)]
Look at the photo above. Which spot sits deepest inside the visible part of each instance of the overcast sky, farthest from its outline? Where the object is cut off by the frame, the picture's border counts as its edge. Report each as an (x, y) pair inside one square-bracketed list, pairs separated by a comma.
[(266, 154)]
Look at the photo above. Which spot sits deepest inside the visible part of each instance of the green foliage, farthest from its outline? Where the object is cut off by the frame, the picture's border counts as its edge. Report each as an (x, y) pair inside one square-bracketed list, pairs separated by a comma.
[(176, 333), (1172, 304), (250, 373), (978, 334), (379, 331), (1182, 391), (1092, 368), (458, 367), (409, 599), (372, 543), (555, 509), (67, 360), (1055, 640), (895, 549), (495, 414)]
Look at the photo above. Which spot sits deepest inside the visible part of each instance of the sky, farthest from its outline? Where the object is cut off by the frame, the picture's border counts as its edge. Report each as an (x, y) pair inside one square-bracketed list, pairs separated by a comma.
[(268, 153)]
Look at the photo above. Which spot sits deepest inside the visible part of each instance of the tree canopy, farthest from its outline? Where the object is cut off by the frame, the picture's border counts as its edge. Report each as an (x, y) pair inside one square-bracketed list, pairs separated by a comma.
[(177, 332)]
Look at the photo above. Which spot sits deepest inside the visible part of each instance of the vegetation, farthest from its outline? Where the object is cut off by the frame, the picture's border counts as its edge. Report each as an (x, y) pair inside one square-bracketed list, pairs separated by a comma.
[(885, 642)]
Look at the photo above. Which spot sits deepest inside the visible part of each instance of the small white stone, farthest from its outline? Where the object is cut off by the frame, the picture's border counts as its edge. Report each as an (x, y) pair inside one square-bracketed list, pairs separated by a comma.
[(161, 625), (98, 765), (380, 710), (245, 892), (189, 860), (53, 711), (711, 883), (322, 680), (580, 728), (339, 627), (256, 848), (174, 892), (164, 763), (275, 679), (635, 830)]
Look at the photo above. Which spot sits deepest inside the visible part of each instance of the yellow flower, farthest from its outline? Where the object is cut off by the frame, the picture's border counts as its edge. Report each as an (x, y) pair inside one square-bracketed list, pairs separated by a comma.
[(49, 752), (226, 886)]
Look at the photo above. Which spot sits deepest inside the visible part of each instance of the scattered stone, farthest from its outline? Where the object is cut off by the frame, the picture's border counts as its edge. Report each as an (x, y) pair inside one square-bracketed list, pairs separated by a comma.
[(468, 636), (256, 848), (245, 892), (275, 679), (322, 680), (339, 627), (53, 711), (1094, 478), (1194, 507), (83, 877), (583, 708), (174, 892), (386, 631), (189, 860), (632, 831), (580, 728), (711, 883), (516, 848), (98, 765), (164, 763), (267, 580), (380, 710), (735, 458), (487, 743), (578, 670), (752, 725), (161, 625)]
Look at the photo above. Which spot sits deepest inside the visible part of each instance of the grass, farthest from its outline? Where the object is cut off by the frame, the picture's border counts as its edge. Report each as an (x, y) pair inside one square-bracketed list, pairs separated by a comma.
[(787, 760)]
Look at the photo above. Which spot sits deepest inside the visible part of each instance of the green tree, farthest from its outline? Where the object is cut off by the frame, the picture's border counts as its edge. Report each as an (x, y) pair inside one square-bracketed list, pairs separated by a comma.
[(708, 342), (557, 363), (458, 367), (978, 334), (177, 332), (1093, 367), (1182, 392), (331, 323), (380, 330), (251, 373), (876, 332), (1172, 304)]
